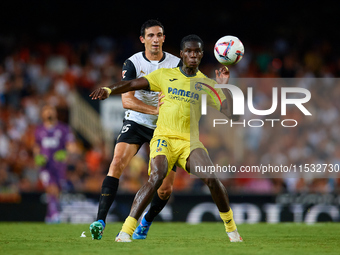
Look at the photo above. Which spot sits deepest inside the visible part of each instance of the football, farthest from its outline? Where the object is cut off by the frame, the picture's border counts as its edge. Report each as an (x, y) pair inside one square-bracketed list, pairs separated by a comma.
[(229, 50)]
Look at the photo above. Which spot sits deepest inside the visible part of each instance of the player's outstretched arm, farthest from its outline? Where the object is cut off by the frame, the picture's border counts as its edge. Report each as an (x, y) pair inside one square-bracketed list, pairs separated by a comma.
[(132, 103), (222, 77), (119, 88), (227, 106)]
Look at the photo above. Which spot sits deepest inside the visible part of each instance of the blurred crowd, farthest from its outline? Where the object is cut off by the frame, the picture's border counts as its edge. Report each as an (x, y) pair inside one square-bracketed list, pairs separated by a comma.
[(39, 73)]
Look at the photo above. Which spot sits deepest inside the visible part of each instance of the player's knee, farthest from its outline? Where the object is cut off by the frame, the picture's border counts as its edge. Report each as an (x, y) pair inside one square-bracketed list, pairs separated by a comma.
[(159, 166), (117, 166), (156, 181), (164, 192)]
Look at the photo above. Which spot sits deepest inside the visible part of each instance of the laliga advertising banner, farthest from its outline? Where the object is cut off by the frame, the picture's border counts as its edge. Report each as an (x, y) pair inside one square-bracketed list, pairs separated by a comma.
[(299, 208), (285, 136), (82, 208)]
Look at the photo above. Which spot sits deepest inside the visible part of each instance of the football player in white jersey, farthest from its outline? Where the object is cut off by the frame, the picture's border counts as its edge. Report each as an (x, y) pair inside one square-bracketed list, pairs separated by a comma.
[(138, 126)]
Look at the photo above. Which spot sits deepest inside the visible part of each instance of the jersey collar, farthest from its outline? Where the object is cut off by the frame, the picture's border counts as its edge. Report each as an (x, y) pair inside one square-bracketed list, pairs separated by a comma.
[(150, 61), (185, 74)]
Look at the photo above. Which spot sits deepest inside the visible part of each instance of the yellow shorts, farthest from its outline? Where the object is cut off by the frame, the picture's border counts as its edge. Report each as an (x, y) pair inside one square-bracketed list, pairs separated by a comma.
[(176, 150)]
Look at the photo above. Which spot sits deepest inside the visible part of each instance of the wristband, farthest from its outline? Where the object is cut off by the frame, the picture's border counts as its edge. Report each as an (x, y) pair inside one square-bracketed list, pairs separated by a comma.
[(107, 89)]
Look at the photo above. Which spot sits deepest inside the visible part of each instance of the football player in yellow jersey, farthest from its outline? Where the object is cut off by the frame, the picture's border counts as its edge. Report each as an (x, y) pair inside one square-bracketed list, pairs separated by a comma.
[(176, 138)]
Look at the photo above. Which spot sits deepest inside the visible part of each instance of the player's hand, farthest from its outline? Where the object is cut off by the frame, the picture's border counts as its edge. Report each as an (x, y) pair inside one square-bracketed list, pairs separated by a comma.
[(222, 75), (60, 155), (40, 160), (100, 93), (160, 96)]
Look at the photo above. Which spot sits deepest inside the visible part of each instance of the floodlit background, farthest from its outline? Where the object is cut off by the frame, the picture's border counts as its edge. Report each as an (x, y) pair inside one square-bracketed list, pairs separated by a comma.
[(57, 52)]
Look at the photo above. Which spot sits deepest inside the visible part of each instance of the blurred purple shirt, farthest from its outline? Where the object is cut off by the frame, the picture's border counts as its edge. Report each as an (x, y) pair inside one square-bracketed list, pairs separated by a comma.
[(50, 140)]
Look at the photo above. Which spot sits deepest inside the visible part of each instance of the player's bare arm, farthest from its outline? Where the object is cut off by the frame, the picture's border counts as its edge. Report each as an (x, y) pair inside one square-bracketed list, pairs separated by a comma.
[(130, 102), (160, 97), (222, 77), (120, 87)]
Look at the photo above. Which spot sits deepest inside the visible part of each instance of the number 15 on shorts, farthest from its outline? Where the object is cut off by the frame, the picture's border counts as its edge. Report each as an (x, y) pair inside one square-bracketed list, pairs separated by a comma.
[(160, 143)]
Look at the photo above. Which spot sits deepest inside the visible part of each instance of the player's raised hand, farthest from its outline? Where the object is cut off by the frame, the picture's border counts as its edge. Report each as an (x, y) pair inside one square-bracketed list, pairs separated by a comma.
[(222, 75), (100, 93)]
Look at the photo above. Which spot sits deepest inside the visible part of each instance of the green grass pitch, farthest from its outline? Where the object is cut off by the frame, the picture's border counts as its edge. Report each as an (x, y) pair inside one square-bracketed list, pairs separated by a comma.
[(171, 238)]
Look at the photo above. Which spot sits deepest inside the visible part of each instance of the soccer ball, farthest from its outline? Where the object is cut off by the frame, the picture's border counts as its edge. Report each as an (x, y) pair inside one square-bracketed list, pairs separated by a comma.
[(229, 50)]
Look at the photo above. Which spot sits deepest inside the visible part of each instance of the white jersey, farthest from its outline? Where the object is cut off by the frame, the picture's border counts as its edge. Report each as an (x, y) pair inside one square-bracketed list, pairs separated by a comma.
[(137, 66)]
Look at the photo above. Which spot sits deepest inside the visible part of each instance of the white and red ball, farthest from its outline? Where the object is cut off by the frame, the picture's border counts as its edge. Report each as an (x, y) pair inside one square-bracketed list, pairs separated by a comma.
[(229, 50)]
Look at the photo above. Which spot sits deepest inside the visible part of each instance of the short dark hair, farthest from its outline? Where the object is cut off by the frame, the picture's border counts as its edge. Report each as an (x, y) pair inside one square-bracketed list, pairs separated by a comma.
[(191, 38), (148, 24)]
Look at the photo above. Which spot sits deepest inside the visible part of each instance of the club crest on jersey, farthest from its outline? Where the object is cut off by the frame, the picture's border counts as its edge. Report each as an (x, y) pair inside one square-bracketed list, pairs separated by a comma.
[(158, 149), (198, 86)]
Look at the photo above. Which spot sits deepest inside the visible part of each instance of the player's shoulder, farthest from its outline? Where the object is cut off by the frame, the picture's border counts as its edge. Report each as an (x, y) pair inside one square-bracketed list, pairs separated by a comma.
[(140, 57), (205, 79), (39, 128), (136, 57), (170, 56), (131, 66), (163, 73), (170, 60), (173, 70), (199, 74), (135, 60), (39, 125), (168, 70), (63, 126)]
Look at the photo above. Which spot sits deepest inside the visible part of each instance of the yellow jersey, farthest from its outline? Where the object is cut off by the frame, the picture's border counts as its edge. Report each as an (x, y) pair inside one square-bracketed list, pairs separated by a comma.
[(181, 111)]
